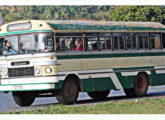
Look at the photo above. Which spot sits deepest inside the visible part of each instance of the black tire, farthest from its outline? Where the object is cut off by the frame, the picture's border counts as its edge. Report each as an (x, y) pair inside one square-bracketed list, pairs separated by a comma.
[(23, 98), (99, 95), (69, 92), (129, 92), (140, 86)]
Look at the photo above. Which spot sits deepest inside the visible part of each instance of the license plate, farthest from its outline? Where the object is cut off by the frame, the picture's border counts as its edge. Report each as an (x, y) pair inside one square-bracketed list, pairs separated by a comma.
[(17, 87)]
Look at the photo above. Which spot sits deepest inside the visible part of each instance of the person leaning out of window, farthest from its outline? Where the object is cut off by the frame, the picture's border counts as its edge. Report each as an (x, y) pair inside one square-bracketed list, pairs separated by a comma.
[(79, 46)]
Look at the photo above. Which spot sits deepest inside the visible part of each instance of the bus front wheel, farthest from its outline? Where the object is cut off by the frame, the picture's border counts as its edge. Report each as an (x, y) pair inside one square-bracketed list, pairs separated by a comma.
[(69, 92), (140, 86), (23, 98), (99, 95)]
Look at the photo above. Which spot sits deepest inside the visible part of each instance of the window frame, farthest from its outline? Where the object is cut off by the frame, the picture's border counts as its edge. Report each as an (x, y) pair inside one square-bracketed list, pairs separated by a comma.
[(110, 37), (68, 36), (148, 41), (124, 43), (18, 35), (151, 42)]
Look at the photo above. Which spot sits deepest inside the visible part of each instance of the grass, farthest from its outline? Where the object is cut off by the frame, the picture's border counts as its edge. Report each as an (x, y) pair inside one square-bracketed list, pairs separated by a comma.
[(138, 106)]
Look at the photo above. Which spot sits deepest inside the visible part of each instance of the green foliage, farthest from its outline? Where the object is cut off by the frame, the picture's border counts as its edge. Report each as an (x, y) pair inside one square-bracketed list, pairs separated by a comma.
[(114, 13), (139, 106), (138, 13), (54, 12)]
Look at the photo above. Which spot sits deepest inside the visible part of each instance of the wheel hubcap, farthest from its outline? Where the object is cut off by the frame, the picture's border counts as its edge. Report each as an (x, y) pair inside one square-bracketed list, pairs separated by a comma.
[(141, 84), (69, 90)]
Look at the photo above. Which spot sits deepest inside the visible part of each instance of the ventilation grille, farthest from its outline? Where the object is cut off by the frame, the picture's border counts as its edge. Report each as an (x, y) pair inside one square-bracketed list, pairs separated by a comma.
[(16, 72)]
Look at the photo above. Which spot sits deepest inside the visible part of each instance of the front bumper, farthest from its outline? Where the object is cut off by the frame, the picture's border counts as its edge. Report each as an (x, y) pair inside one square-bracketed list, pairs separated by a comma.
[(28, 83), (30, 87)]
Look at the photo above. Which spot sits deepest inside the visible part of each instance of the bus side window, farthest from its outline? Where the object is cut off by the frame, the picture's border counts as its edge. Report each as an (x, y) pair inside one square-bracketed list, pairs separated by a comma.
[(57, 44), (63, 46), (155, 41), (118, 41), (143, 41), (105, 41), (131, 40), (92, 41), (69, 42), (92, 44), (163, 40)]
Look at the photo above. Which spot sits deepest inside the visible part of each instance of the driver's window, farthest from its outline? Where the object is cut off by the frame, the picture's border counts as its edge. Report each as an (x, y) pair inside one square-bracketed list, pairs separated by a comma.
[(27, 43), (1, 45), (50, 43), (10, 45)]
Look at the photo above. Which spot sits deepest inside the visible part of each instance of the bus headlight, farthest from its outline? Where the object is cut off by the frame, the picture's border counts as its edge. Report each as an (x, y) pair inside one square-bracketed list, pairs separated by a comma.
[(48, 70), (4, 73), (37, 70)]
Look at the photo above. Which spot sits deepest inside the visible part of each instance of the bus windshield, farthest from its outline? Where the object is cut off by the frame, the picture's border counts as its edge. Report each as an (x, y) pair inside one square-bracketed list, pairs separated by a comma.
[(27, 43)]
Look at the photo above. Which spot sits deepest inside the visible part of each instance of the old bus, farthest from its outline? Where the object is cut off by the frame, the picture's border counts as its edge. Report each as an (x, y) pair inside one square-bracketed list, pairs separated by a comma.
[(62, 58)]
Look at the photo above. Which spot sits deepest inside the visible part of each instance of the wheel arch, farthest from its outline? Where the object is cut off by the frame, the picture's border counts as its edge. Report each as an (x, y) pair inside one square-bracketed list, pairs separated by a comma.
[(148, 78)]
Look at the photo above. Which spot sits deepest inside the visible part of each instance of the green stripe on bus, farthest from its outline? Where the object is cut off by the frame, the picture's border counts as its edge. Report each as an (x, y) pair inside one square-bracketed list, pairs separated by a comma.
[(100, 27), (22, 32), (109, 55)]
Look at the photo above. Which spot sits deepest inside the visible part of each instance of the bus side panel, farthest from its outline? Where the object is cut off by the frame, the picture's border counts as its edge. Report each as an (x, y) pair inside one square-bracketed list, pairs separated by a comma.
[(97, 84), (58, 85), (157, 78), (126, 81)]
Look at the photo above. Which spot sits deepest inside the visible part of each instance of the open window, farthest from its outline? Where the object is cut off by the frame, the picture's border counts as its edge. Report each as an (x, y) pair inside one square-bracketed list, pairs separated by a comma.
[(91, 41), (131, 40), (69, 42), (106, 41), (143, 41), (118, 41), (155, 41)]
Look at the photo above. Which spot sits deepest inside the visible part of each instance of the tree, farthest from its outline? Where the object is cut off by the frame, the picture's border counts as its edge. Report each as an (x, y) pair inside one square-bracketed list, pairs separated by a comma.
[(138, 13)]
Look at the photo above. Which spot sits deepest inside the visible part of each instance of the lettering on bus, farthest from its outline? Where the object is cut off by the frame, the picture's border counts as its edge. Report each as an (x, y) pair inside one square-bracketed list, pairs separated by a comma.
[(19, 26)]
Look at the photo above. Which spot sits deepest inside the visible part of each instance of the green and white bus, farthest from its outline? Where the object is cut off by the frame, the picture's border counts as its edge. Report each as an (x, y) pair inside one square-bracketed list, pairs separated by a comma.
[(62, 58)]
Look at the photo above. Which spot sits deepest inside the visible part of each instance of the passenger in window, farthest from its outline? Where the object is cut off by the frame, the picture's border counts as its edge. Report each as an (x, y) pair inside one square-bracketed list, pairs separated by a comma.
[(103, 46), (7, 49), (22, 49), (108, 44), (121, 44), (79, 45), (94, 46), (63, 47), (72, 45)]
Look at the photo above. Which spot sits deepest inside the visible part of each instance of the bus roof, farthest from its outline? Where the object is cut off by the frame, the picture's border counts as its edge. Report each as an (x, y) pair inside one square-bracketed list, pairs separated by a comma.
[(79, 26), (61, 25)]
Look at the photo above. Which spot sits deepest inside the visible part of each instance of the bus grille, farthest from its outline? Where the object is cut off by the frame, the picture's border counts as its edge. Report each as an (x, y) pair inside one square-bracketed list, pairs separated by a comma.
[(16, 72)]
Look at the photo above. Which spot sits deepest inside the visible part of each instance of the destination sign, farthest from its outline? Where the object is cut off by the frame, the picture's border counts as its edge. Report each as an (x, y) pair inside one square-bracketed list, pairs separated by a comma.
[(19, 26)]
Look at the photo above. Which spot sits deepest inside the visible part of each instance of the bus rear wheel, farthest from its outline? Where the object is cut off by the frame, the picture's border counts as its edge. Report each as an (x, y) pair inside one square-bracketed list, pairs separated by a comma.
[(140, 86), (69, 92), (23, 98), (99, 95)]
